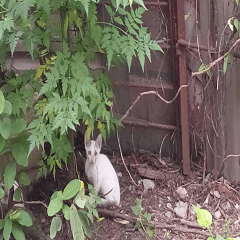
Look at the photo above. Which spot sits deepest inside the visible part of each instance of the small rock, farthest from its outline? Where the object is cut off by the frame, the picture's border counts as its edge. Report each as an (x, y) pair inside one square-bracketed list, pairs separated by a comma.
[(169, 214), (169, 205), (227, 206), (181, 209), (119, 174), (43, 220), (147, 183), (191, 209), (168, 198), (206, 200), (182, 192), (207, 177), (217, 214), (216, 194), (237, 206), (130, 188)]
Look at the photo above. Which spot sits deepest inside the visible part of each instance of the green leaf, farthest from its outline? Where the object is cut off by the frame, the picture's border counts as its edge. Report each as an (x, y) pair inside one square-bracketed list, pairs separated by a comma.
[(20, 153), (219, 237), (66, 211), (225, 63), (14, 215), (24, 179), (13, 39), (110, 11), (237, 2), (9, 174), (118, 20), (54, 207), (140, 2), (2, 102), (17, 231), (71, 189), (148, 216), (1, 173), (202, 67), (236, 23), (7, 229), (1, 193), (80, 200), (17, 194), (2, 223), (204, 217), (18, 125), (5, 127), (7, 108), (56, 226), (76, 224), (141, 57), (21, 8), (85, 4), (137, 208), (24, 219), (2, 143), (85, 223), (55, 195)]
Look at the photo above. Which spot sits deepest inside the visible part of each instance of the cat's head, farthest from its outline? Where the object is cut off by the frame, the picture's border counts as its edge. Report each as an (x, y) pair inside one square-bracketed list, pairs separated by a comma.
[(92, 147)]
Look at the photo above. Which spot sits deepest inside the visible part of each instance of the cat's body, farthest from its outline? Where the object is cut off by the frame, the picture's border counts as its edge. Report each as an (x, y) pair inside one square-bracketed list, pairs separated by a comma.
[(101, 173)]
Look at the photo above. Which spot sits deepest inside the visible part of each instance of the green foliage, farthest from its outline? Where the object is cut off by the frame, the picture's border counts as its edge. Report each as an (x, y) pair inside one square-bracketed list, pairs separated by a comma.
[(56, 225), (79, 218), (133, 42), (41, 106), (203, 67), (204, 219), (13, 223), (144, 219)]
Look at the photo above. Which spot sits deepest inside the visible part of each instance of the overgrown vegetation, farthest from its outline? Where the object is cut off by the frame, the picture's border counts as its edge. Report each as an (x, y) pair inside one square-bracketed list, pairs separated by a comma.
[(204, 219), (144, 220), (41, 106)]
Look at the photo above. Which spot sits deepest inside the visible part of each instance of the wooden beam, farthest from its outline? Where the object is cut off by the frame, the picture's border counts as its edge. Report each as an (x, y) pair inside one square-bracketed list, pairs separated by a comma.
[(184, 92)]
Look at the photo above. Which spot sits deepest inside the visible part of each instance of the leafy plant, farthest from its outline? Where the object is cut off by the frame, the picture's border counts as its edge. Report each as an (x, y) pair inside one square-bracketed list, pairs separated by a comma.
[(204, 219), (13, 223), (144, 219), (79, 218), (43, 105)]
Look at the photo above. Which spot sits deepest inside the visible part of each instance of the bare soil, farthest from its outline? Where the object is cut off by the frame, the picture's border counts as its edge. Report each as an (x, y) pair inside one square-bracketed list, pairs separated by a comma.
[(218, 197)]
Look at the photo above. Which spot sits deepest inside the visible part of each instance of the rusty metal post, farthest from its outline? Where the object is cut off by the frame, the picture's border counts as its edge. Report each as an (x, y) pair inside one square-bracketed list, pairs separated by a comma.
[(184, 92)]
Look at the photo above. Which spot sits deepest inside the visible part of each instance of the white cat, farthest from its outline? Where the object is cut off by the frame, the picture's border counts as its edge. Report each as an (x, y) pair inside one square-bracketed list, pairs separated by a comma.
[(101, 173)]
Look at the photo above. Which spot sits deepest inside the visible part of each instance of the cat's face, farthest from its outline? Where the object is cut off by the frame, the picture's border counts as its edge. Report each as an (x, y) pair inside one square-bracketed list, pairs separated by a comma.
[(93, 147)]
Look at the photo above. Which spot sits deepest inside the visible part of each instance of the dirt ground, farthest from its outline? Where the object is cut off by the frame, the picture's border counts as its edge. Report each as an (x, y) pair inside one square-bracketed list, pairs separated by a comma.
[(218, 197)]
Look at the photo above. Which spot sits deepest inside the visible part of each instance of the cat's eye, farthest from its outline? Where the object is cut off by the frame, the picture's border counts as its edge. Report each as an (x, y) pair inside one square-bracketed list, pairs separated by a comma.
[(95, 153), (89, 152)]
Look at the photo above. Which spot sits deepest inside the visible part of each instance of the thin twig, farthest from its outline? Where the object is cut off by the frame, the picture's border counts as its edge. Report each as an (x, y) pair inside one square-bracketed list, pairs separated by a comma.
[(212, 64), (31, 202), (120, 149), (152, 93), (182, 86)]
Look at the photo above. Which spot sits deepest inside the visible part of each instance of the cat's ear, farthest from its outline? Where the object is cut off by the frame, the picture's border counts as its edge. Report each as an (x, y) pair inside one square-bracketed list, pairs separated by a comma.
[(99, 141)]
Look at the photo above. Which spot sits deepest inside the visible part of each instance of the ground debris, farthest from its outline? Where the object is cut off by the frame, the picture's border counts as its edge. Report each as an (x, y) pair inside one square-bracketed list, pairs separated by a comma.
[(218, 197)]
